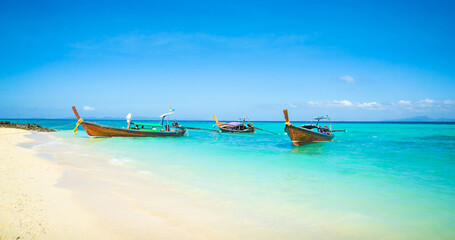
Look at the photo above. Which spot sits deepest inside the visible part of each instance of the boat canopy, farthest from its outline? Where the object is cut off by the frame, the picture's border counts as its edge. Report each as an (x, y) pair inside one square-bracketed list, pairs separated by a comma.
[(147, 124), (322, 117), (234, 124), (164, 115)]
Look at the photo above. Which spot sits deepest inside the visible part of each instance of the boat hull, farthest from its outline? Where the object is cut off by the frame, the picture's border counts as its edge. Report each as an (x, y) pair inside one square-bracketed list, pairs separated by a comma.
[(300, 136), (98, 130), (224, 127), (248, 130)]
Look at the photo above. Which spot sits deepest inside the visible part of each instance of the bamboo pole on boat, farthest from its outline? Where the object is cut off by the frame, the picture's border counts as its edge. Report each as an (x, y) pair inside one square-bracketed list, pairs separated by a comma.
[(205, 129), (286, 117), (75, 113)]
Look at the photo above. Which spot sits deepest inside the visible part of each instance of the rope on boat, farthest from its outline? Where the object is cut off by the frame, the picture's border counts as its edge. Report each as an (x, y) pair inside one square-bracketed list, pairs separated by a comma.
[(206, 129), (265, 130)]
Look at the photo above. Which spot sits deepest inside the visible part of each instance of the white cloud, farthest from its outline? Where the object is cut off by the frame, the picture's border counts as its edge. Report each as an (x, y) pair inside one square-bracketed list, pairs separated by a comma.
[(402, 104), (292, 105), (424, 105), (347, 79), (371, 106), (427, 101), (345, 103), (334, 103), (368, 105), (88, 108)]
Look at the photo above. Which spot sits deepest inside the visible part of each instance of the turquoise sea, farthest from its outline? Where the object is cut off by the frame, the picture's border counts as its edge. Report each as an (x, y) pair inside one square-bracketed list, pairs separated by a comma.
[(378, 180)]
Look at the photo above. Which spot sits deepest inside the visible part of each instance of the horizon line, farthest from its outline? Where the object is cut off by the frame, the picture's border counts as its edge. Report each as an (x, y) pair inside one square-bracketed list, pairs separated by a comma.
[(276, 121)]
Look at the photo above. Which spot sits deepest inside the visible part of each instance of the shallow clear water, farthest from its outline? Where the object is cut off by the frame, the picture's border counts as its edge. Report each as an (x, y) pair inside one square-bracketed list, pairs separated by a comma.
[(387, 180)]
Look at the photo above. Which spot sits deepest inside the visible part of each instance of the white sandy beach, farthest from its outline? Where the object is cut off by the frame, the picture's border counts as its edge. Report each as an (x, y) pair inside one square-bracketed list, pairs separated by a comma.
[(32, 206)]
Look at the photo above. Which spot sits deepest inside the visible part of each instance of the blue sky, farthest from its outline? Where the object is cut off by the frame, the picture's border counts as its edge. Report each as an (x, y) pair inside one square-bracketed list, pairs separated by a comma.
[(353, 60)]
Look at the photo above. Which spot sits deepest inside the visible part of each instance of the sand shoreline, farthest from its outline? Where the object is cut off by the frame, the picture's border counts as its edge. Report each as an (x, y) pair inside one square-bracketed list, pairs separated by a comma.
[(43, 199), (71, 198), (32, 207)]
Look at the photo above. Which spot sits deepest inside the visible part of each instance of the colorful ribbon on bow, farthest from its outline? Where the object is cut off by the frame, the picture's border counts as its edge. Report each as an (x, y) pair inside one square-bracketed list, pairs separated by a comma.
[(77, 125)]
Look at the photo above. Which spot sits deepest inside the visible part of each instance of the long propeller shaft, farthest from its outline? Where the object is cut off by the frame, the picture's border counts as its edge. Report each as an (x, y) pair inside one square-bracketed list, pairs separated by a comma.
[(265, 130), (340, 131)]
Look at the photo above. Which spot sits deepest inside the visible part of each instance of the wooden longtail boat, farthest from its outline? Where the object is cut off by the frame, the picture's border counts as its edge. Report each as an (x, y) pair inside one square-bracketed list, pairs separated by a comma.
[(234, 127), (306, 134), (157, 130)]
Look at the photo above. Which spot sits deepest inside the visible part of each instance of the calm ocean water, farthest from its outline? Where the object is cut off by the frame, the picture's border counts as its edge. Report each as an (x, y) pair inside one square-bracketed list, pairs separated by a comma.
[(389, 180)]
